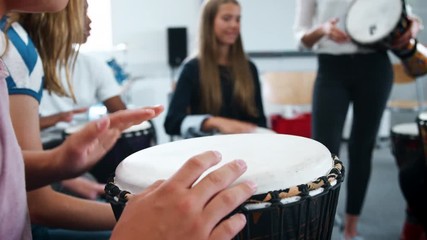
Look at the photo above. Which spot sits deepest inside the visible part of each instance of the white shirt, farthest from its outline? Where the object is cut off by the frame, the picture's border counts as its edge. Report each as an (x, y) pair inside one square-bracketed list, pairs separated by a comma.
[(311, 13), (92, 81)]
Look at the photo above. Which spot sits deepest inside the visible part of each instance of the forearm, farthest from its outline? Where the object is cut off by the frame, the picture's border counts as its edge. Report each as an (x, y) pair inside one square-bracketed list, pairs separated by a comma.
[(313, 36), (48, 121), (210, 124), (41, 168), (63, 211)]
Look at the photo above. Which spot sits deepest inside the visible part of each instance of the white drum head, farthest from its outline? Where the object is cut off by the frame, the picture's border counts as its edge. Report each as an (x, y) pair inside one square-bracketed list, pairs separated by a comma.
[(423, 116), (369, 21), (275, 161), (139, 127), (73, 129), (406, 129), (263, 130)]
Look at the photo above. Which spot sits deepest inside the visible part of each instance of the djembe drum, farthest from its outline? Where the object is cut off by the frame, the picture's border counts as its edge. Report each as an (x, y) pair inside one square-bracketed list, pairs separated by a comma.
[(133, 139), (413, 183), (376, 24), (405, 143), (298, 180)]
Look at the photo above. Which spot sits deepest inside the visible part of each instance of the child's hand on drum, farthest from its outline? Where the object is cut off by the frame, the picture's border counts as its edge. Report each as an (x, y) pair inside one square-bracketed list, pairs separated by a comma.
[(84, 148), (227, 125), (175, 209)]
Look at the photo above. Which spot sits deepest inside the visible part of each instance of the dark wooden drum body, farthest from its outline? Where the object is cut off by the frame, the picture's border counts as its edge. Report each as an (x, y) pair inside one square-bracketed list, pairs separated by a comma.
[(413, 179), (309, 215), (406, 143), (422, 126), (133, 139)]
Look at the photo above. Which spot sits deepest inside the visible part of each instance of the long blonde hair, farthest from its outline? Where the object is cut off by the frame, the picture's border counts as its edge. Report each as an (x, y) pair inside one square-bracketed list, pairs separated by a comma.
[(55, 35), (244, 89)]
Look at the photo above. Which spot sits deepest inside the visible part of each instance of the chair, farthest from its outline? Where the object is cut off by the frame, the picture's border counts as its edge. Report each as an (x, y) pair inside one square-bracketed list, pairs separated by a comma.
[(289, 88), (401, 77), (287, 97)]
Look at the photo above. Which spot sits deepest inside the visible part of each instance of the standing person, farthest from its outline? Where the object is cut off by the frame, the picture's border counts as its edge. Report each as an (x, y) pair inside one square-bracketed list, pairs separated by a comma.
[(218, 90), (347, 73)]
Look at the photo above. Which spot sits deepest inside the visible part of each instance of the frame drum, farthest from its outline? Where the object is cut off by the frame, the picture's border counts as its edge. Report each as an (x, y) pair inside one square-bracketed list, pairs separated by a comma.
[(378, 23), (298, 180)]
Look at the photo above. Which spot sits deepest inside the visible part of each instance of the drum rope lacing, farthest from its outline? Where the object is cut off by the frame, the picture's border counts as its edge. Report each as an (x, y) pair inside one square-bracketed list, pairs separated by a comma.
[(335, 174), (118, 198)]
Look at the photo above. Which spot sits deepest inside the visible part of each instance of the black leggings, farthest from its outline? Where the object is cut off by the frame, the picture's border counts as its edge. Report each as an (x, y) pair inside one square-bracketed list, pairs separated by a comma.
[(365, 80)]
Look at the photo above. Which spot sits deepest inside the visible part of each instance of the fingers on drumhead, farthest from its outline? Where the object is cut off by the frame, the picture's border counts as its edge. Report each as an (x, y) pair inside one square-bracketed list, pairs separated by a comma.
[(220, 178), (229, 199), (195, 167), (91, 131), (229, 228)]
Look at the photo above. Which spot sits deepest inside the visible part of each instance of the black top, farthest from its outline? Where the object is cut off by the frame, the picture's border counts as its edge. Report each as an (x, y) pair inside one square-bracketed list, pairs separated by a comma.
[(186, 98)]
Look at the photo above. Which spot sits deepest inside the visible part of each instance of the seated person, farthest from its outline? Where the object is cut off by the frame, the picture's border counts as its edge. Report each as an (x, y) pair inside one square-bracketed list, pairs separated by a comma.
[(26, 72), (91, 81), (81, 150), (218, 91)]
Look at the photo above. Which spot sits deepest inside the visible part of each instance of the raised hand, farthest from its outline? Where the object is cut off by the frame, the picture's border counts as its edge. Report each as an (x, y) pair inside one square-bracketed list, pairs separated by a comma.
[(84, 148), (411, 32), (81, 150)]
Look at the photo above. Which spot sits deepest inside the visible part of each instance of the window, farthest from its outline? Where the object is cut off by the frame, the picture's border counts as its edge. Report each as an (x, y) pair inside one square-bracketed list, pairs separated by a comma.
[(101, 37)]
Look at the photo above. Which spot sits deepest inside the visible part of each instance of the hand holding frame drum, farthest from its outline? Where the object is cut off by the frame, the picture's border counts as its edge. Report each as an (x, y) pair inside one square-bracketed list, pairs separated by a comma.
[(385, 24)]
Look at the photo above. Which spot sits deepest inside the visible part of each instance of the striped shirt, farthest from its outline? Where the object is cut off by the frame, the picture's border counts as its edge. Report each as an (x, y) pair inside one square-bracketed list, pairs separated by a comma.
[(23, 63)]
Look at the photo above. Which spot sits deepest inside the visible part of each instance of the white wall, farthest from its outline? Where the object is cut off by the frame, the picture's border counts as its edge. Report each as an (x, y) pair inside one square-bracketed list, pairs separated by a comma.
[(142, 26)]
